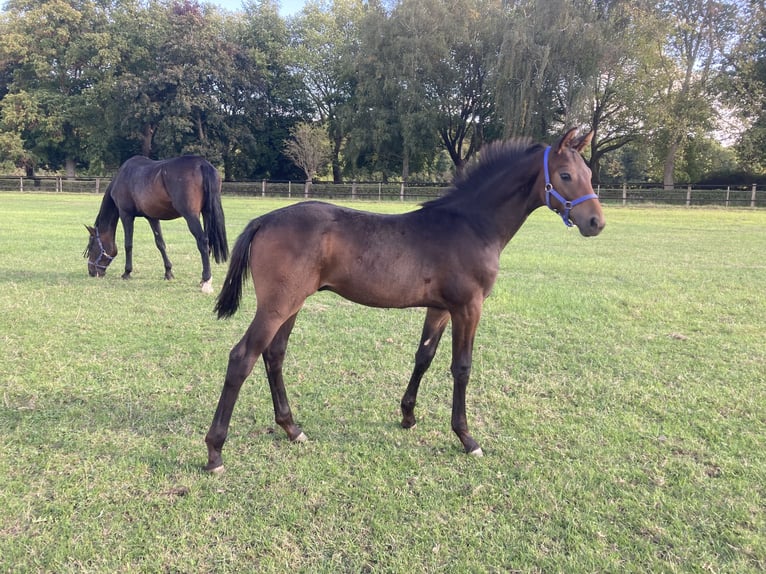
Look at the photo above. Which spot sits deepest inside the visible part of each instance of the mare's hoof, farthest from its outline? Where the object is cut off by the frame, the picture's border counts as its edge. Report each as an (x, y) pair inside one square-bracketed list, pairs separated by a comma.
[(300, 438), (215, 470), (206, 286), (476, 452)]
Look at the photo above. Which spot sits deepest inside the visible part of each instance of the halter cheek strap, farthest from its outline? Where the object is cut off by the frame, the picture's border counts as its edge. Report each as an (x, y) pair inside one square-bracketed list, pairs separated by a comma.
[(103, 255), (549, 190)]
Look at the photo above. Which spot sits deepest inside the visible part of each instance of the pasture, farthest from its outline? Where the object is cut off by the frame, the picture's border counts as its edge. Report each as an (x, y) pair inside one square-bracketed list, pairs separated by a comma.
[(617, 392)]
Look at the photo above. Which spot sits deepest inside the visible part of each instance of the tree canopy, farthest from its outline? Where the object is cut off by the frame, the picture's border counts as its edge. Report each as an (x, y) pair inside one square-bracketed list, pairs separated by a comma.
[(387, 89)]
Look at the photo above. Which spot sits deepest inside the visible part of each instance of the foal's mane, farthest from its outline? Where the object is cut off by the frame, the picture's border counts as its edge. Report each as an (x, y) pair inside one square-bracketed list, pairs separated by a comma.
[(498, 160)]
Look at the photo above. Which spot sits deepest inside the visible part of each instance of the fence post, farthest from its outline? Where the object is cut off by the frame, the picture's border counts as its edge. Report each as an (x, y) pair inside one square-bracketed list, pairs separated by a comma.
[(688, 195), (21, 183), (380, 191), (98, 185), (353, 189), (263, 188), (752, 197), (624, 194), (401, 192), (289, 189), (728, 191)]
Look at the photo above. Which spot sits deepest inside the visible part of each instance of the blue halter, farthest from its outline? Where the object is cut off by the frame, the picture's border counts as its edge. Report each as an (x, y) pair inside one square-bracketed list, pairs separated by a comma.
[(568, 205)]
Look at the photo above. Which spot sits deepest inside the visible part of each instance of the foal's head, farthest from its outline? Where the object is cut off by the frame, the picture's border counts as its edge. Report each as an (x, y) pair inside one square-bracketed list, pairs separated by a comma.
[(96, 253), (567, 188)]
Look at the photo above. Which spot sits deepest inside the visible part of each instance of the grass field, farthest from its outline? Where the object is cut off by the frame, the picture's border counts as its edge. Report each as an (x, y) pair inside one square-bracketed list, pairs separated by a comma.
[(617, 392)]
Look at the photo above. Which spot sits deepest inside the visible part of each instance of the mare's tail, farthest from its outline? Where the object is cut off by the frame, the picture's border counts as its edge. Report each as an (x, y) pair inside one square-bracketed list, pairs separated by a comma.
[(212, 213), (231, 292)]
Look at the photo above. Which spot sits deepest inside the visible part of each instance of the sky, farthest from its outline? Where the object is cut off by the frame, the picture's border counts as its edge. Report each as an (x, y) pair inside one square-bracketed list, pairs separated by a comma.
[(286, 7)]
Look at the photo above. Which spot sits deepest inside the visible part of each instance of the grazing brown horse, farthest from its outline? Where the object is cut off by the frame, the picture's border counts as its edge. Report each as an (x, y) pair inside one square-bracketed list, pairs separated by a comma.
[(444, 257), (167, 189)]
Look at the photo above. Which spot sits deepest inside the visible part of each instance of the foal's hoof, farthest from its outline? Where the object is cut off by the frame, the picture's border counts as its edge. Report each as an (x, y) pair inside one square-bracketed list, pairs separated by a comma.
[(206, 286), (476, 452)]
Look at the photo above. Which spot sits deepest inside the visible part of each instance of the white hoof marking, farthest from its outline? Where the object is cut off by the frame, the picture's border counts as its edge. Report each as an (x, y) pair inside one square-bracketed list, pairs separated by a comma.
[(207, 286), (301, 438), (477, 452)]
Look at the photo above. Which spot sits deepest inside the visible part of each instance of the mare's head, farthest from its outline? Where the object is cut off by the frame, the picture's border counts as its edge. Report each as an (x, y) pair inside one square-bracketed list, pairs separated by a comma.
[(567, 187), (96, 253)]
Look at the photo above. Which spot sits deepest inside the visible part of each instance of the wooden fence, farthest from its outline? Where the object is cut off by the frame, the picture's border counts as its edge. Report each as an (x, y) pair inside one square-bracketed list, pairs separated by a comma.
[(624, 194)]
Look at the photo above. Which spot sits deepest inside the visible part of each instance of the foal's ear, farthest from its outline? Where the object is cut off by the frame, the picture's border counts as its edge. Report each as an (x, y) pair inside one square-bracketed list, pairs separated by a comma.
[(91, 230), (582, 142), (566, 140)]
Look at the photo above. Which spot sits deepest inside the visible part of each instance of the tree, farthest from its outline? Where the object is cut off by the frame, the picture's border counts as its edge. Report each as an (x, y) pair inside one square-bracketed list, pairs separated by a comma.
[(309, 149), (326, 45), (167, 91), (744, 87), (55, 51), (621, 107), (694, 43)]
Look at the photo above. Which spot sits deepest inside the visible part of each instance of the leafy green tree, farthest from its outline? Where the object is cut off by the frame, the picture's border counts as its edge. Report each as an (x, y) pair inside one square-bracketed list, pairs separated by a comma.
[(622, 103), (270, 96), (167, 90), (326, 45), (54, 52), (695, 36), (744, 86)]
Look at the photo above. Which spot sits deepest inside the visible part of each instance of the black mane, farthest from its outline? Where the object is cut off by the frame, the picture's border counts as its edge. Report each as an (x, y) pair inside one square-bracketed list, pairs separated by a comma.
[(482, 177)]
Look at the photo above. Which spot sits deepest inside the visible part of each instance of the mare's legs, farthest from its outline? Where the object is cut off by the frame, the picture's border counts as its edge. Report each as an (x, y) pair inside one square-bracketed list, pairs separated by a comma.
[(435, 323), (127, 228), (159, 241), (242, 358), (273, 357), (204, 250), (464, 324)]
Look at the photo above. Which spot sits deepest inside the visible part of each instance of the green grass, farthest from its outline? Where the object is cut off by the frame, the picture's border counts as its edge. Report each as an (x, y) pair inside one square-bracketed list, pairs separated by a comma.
[(617, 392)]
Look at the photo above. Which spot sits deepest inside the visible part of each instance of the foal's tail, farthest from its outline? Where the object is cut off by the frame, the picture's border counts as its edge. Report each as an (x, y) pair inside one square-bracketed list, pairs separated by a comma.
[(212, 213), (231, 292)]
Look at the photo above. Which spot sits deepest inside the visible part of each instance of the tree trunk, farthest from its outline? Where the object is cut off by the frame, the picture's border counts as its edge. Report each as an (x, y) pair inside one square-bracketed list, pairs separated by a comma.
[(668, 180), (337, 175), (70, 168), (146, 140)]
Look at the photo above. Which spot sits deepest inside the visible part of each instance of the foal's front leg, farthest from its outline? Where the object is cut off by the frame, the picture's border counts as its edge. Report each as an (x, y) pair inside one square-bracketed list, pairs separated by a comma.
[(433, 328), (464, 324)]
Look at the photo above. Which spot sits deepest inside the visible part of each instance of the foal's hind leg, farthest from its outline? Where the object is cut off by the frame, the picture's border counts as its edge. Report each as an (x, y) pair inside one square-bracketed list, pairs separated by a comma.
[(433, 328), (159, 241), (273, 357), (242, 358)]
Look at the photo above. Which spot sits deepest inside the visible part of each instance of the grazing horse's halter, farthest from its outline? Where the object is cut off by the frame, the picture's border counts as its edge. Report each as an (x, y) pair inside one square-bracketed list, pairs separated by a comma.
[(568, 205), (101, 255)]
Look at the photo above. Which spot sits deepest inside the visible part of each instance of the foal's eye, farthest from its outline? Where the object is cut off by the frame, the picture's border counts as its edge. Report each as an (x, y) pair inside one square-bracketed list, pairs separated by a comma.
[(566, 177)]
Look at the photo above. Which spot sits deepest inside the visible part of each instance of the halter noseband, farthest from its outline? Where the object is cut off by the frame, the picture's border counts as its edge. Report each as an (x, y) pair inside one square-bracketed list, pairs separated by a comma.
[(549, 190), (101, 255)]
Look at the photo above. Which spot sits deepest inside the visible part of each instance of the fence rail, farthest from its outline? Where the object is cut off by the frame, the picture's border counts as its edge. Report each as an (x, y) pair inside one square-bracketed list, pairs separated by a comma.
[(625, 194)]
